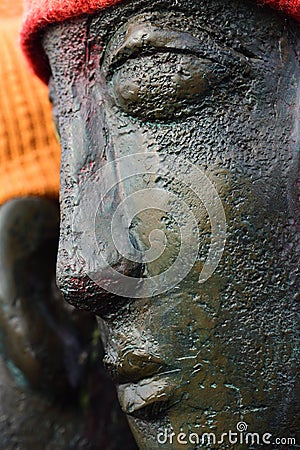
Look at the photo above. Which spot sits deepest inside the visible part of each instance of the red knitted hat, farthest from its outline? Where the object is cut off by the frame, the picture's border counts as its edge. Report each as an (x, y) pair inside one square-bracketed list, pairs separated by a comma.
[(40, 13)]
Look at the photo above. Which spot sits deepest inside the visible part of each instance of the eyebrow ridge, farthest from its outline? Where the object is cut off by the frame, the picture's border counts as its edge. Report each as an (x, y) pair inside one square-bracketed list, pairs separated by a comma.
[(146, 35)]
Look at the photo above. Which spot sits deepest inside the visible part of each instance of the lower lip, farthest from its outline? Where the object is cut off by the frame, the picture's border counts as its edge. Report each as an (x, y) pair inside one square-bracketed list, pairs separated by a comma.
[(135, 396)]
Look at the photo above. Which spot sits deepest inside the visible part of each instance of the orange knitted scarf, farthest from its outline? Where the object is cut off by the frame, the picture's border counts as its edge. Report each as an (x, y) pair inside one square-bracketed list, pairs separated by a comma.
[(29, 151)]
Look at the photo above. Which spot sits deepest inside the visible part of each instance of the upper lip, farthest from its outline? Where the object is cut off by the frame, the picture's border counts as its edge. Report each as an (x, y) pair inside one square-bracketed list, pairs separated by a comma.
[(133, 366)]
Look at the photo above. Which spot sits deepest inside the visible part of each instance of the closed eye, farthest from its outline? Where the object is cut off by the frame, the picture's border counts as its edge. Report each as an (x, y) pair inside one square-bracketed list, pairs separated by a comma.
[(161, 75), (164, 85)]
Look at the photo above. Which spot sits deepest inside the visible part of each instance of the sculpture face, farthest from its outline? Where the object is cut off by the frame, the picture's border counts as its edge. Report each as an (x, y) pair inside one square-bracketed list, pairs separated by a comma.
[(218, 84)]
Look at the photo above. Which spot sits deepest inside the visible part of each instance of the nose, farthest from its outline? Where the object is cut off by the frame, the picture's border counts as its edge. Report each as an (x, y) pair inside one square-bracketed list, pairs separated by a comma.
[(88, 259)]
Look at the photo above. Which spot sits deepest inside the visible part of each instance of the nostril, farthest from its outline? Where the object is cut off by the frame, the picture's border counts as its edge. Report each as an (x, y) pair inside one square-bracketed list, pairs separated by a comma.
[(133, 239), (81, 292), (85, 294), (86, 291)]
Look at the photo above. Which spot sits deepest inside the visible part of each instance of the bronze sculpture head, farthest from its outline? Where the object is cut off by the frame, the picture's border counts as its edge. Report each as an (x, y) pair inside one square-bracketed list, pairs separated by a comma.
[(183, 86)]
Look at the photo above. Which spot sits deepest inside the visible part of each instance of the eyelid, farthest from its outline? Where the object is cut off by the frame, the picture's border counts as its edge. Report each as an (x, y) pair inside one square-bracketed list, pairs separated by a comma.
[(148, 37)]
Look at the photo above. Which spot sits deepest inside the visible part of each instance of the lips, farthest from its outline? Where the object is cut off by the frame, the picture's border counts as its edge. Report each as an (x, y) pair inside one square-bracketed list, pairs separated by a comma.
[(145, 383), (148, 398)]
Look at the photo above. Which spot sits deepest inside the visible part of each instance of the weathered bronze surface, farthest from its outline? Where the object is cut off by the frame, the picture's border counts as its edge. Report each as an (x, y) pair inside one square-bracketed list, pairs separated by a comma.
[(216, 82)]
